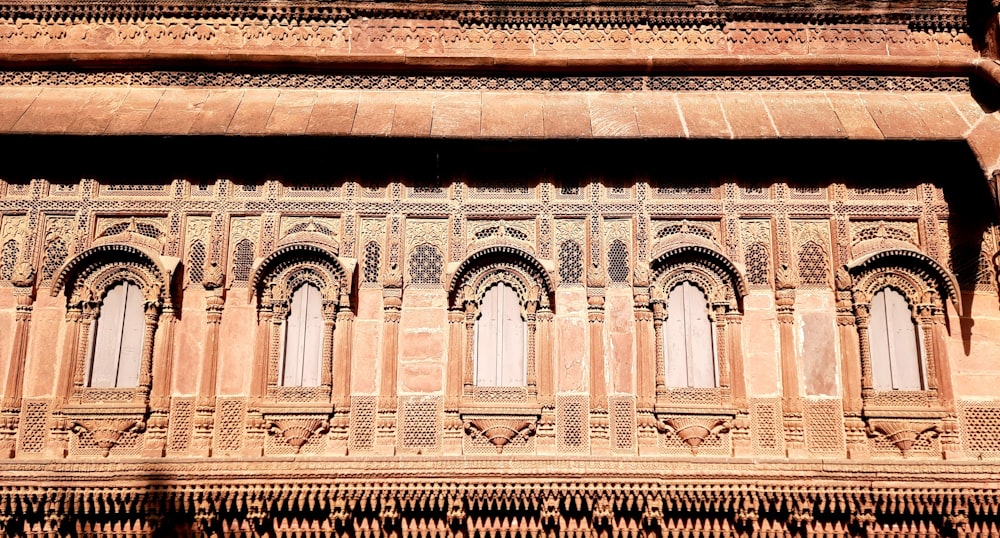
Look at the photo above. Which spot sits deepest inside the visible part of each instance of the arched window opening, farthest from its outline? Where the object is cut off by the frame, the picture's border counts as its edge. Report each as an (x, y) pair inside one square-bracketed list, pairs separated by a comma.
[(501, 340), (120, 326), (895, 347), (689, 339), (300, 365)]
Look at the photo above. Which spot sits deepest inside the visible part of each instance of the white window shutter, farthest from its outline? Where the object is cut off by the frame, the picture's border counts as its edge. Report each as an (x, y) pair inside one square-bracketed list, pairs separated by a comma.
[(120, 329), (688, 339), (303, 347)]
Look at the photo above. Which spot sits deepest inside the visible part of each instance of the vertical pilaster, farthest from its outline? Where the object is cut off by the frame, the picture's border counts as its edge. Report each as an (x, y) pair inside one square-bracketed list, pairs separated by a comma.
[(10, 410)]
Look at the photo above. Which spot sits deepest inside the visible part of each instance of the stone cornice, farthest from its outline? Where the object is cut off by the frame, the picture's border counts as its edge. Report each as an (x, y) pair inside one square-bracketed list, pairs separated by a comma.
[(941, 15)]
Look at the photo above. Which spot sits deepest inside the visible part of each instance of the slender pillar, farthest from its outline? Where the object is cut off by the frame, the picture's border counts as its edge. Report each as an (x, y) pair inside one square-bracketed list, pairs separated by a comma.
[(204, 418), (850, 367), (645, 350), (155, 442), (791, 400), (10, 410), (392, 303)]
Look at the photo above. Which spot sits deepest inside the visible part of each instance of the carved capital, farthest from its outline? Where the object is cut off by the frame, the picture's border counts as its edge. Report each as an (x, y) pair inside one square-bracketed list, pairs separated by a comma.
[(107, 432), (297, 431)]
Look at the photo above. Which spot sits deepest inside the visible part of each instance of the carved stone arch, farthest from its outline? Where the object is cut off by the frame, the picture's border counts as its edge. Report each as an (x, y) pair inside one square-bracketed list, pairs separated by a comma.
[(692, 254), (299, 259), (86, 276), (921, 266), (471, 279), (925, 285), (688, 258), (470, 273)]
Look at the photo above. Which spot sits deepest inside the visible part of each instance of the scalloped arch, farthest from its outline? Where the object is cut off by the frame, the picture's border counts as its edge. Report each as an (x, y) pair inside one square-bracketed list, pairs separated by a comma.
[(108, 254), (907, 258), (500, 255), (301, 251), (696, 248)]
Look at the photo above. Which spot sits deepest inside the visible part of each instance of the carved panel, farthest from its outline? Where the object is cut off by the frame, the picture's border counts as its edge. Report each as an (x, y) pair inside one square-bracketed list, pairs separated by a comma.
[(766, 433), (230, 422), (361, 433), (824, 423), (181, 425), (572, 423), (420, 424)]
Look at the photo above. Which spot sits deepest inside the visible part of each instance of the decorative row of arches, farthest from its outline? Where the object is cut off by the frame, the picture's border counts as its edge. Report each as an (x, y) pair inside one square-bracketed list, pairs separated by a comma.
[(501, 301)]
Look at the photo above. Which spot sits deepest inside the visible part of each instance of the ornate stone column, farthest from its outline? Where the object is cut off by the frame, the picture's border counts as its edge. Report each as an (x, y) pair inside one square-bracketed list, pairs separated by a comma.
[(155, 443), (546, 430), (23, 280), (784, 296), (453, 427), (204, 413), (850, 367), (392, 304), (600, 434), (343, 337)]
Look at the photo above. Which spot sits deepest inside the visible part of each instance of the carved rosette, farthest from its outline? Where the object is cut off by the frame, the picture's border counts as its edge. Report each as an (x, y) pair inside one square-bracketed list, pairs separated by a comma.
[(694, 430), (108, 432), (297, 431), (903, 433), (500, 431)]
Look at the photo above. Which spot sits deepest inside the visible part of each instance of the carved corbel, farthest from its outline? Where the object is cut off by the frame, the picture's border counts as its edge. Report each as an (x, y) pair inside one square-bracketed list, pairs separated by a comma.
[(258, 516), (107, 432), (652, 512), (340, 513), (297, 431), (500, 431), (799, 516), (550, 515), (902, 433), (389, 513), (863, 519), (694, 430), (603, 514), (206, 519), (456, 512)]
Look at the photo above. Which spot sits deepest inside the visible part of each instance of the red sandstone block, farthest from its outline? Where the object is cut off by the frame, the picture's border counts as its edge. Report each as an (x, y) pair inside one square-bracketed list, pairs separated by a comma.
[(940, 116), (291, 112), (853, 116), (254, 110), (457, 114), (985, 142), (612, 115), (217, 112), (374, 115), (513, 115), (98, 111), (333, 113), (176, 112), (805, 115), (566, 115), (134, 112), (747, 115), (968, 107), (657, 115), (53, 110), (13, 103), (895, 116), (413, 114), (703, 116)]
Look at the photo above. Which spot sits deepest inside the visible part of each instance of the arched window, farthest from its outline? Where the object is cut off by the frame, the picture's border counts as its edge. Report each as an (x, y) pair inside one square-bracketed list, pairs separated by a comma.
[(118, 334), (689, 340), (895, 347), (501, 343), (302, 356)]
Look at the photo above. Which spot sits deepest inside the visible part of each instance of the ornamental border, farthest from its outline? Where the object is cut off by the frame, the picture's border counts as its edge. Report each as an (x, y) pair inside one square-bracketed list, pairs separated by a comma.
[(320, 81)]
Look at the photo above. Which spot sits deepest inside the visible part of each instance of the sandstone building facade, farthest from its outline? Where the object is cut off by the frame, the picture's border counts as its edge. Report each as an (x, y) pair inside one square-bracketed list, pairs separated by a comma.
[(430, 270)]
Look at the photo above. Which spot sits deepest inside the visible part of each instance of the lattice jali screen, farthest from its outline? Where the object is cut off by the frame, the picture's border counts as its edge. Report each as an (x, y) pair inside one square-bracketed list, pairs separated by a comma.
[(622, 421), (618, 263), (361, 430), (824, 424), (34, 418), (181, 424), (767, 435), (56, 252), (758, 261), (425, 266), (813, 266), (573, 423), (230, 422), (980, 427), (570, 263), (420, 424), (716, 444), (372, 263)]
